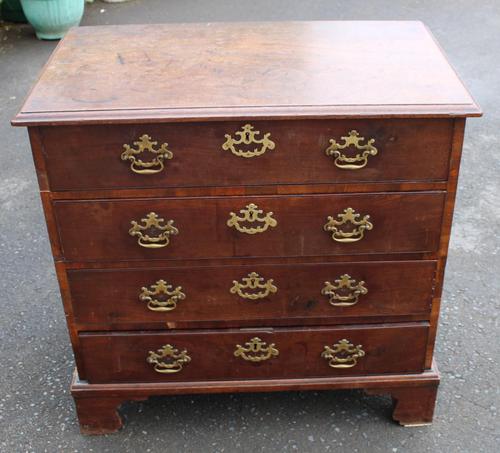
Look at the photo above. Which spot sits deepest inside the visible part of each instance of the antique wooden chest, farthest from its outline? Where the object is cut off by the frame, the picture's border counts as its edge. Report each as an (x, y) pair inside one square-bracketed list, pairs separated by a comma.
[(249, 207)]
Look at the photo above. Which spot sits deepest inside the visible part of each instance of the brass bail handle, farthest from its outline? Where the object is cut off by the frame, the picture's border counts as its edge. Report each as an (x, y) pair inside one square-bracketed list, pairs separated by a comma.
[(168, 359), (343, 354), (348, 226), (355, 141), (161, 296), (153, 231), (145, 146), (345, 291)]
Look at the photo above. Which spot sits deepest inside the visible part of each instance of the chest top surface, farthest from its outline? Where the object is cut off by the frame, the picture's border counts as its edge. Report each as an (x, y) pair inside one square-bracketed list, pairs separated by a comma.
[(225, 70)]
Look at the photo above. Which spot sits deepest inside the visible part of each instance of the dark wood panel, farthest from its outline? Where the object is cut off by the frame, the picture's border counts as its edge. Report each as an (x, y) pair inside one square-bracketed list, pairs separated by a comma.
[(414, 394), (458, 137), (112, 297), (99, 230), (223, 70), (121, 357), (82, 122), (88, 157)]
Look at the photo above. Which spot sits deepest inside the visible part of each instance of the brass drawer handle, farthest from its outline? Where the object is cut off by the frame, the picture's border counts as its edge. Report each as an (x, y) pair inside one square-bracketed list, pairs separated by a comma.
[(144, 144), (253, 215), (168, 359), (161, 296), (247, 136), (359, 160), (343, 354), (344, 292), (256, 350), (253, 282), (154, 231), (355, 228)]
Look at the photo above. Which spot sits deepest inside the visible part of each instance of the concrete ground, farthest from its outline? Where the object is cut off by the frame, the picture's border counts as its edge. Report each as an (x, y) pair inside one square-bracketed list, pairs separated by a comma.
[(36, 410)]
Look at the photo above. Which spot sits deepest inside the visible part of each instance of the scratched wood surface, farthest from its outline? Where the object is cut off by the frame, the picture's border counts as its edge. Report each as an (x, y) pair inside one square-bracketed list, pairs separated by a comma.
[(99, 230), (109, 299), (121, 356), (88, 157), (216, 70), (289, 79)]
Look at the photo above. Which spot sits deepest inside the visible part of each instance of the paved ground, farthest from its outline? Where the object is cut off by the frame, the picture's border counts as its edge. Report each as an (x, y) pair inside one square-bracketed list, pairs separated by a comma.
[(36, 411)]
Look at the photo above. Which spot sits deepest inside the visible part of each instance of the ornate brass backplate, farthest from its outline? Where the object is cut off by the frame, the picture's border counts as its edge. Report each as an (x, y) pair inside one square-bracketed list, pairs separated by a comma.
[(343, 354), (154, 231), (161, 296), (354, 229), (247, 136), (253, 287), (145, 145), (168, 359), (344, 292), (251, 215), (256, 350), (359, 160)]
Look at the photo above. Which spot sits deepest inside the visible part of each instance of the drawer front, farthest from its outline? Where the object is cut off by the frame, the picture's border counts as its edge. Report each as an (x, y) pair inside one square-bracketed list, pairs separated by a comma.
[(253, 353), (294, 152), (155, 298), (249, 226)]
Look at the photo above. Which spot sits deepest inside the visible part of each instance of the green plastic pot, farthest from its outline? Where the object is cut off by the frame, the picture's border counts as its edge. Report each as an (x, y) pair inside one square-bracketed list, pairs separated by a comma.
[(51, 19)]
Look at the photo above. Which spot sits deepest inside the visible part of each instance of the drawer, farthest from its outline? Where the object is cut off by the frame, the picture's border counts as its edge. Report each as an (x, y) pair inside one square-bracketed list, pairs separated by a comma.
[(90, 157), (223, 227), (232, 295), (253, 353)]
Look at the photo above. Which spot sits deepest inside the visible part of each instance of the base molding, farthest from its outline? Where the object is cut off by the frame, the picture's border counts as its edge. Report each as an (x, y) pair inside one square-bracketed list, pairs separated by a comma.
[(414, 395)]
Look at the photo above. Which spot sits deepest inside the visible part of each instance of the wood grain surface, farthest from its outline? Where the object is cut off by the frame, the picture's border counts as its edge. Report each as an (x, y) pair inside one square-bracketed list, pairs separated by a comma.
[(109, 299), (220, 71), (304, 83), (121, 357), (85, 158), (99, 230)]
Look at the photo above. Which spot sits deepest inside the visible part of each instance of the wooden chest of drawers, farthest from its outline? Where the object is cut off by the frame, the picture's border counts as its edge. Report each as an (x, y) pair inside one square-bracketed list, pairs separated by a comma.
[(249, 207)]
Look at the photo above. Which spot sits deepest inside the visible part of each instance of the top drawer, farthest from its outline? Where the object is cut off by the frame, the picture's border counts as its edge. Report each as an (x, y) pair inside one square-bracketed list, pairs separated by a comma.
[(246, 153)]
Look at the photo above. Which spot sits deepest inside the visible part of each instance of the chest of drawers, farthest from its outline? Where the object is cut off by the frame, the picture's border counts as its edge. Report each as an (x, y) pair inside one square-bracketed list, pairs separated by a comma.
[(249, 207)]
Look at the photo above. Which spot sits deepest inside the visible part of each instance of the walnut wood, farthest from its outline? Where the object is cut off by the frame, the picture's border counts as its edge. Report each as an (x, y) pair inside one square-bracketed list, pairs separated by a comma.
[(397, 257), (302, 83), (409, 384), (289, 189), (98, 230), (109, 299), (229, 71), (39, 158), (79, 158), (62, 278), (99, 415), (121, 356), (458, 136), (413, 406), (52, 227), (249, 323), (81, 387)]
